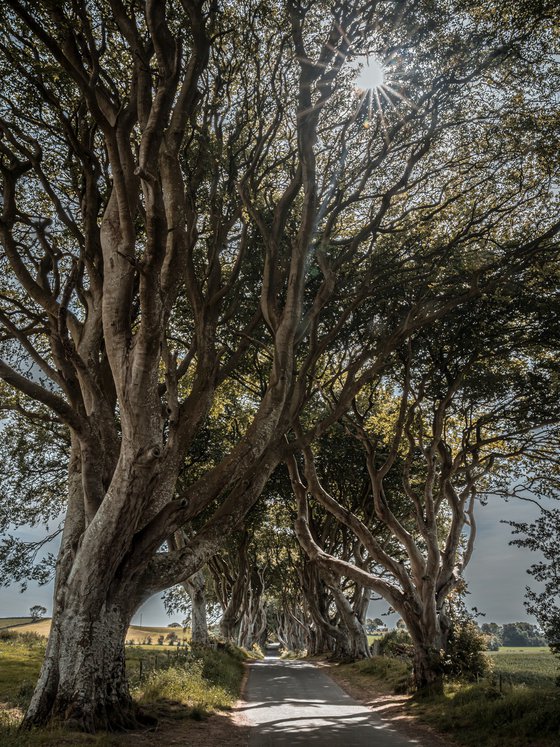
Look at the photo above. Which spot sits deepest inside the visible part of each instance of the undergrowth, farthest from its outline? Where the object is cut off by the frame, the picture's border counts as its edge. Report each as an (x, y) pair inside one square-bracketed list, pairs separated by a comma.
[(209, 681), (492, 713), (205, 681), (481, 714)]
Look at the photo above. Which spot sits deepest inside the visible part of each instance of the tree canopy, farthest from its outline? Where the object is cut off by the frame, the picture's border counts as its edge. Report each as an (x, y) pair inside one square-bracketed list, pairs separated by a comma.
[(204, 218)]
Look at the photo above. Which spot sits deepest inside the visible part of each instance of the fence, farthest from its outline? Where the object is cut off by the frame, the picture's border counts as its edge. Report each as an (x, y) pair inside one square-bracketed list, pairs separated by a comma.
[(159, 660)]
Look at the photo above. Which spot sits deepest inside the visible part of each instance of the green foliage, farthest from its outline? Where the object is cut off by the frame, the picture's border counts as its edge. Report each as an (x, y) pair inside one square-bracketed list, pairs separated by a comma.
[(521, 634), (209, 681), (396, 643), (543, 536), (37, 612), (465, 656)]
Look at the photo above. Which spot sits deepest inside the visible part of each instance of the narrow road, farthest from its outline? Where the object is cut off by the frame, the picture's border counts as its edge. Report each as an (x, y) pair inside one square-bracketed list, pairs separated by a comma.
[(294, 702)]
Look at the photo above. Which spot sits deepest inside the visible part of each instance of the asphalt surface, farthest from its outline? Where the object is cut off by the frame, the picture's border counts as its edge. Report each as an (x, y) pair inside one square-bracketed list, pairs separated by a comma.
[(295, 703)]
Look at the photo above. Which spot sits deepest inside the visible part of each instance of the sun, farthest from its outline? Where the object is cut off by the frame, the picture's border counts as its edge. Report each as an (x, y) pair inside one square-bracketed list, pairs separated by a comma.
[(371, 75)]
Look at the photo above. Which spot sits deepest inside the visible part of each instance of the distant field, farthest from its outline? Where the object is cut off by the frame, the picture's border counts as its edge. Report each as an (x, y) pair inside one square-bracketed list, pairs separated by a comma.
[(41, 627), (526, 666), (522, 650), (10, 622), (135, 633), (138, 634)]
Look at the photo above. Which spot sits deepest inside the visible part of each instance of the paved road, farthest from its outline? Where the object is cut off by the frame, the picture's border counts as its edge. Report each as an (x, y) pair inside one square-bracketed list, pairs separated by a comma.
[(294, 702)]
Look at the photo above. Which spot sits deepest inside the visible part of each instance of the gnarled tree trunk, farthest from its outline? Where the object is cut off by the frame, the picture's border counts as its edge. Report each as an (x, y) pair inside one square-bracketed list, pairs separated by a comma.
[(196, 589), (83, 680), (357, 646)]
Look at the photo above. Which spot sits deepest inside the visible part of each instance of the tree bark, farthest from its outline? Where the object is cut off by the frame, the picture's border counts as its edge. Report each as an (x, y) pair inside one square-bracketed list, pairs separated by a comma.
[(357, 646), (83, 680), (196, 589)]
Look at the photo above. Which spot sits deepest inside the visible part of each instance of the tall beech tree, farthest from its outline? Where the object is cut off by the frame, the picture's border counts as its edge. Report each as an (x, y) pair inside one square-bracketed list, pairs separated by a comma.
[(440, 433), (194, 192)]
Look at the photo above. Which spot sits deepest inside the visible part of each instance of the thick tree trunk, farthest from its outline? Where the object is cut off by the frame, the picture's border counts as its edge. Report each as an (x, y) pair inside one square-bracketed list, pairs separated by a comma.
[(83, 679), (196, 589), (356, 646), (428, 669), (430, 645)]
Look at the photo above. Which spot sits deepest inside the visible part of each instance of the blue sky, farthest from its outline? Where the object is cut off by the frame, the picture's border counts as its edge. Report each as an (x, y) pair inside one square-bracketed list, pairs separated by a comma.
[(497, 574)]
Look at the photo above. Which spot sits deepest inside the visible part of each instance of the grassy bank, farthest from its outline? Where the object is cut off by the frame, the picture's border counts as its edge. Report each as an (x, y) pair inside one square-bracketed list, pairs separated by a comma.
[(191, 686), (518, 706)]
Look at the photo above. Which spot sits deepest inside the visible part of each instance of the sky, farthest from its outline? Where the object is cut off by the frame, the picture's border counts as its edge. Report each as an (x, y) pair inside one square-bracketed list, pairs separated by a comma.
[(496, 576)]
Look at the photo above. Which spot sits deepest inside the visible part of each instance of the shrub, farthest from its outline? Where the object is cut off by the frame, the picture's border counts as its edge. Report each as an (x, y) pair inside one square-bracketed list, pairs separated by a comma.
[(397, 644), (465, 657)]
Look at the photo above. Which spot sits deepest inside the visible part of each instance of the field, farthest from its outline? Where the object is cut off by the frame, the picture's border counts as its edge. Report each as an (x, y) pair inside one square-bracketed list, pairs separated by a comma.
[(9, 622), (135, 632), (525, 666), (519, 700)]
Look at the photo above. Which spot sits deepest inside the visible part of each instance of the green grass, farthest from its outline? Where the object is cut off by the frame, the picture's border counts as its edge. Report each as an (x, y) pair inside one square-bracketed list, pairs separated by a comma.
[(207, 681), (526, 711), (192, 685), (521, 650), (526, 667), (21, 657), (390, 675), (479, 714)]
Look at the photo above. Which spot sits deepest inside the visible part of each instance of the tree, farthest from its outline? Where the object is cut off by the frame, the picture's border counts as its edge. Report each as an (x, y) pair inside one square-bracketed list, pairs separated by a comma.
[(37, 612), (193, 197), (450, 421), (492, 629), (543, 536), (521, 634)]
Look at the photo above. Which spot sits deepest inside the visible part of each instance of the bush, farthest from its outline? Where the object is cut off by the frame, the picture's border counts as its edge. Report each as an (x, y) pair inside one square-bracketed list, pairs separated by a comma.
[(466, 656), (397, 644)]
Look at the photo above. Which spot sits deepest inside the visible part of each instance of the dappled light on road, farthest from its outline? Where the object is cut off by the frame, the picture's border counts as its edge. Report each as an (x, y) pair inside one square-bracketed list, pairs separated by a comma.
[(293, 702)]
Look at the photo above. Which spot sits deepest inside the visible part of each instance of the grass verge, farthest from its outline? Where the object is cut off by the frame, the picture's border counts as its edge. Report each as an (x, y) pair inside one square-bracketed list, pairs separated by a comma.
[(472, 714), (207, 681), (193, 686)]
